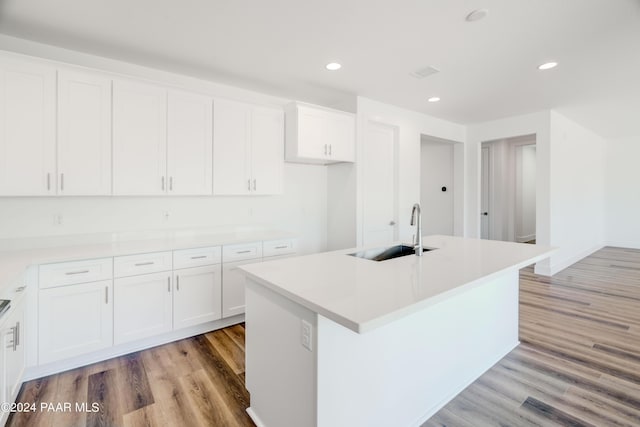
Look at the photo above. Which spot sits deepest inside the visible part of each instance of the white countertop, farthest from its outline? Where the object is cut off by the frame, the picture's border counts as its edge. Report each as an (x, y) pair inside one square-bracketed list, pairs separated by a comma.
[(17, 254), (362, 295)]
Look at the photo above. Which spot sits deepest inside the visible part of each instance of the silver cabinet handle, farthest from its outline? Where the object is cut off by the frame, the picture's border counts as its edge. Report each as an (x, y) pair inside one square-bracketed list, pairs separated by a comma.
[(140, 264), (162, 179), (329, 149), (170, 183), (48, 181), (243, 252), (178, 283), (198, 257), (20, 289), (106, 295), (249, 184), (254, 184), (281, 247), (70, 273), (62, 182), (169, 284), (325, 149), (12, 344)]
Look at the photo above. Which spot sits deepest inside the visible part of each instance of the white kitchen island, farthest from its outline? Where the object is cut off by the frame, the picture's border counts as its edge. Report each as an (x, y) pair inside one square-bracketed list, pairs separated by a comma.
[(335, 340)]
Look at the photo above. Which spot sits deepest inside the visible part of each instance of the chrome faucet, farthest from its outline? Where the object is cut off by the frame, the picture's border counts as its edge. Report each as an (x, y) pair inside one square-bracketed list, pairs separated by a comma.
[(417, 242)]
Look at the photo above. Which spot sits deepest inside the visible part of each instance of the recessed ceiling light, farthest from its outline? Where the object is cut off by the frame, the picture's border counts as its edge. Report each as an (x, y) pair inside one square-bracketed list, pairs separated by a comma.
[(547, 66), (433, 99), (333, 66), (477, 15)]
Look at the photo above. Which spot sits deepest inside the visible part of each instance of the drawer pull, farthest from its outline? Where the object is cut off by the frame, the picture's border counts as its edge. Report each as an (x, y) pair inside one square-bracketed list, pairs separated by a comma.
[(70, 273), (140, 264), (281, 247), (198, 257), (106, 295), (243, 252)]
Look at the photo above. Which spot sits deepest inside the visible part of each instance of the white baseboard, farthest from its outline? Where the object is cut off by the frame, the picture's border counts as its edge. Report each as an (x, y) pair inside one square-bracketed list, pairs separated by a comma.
[(120, 350), (557, 266), (625, 245), (255, 418)]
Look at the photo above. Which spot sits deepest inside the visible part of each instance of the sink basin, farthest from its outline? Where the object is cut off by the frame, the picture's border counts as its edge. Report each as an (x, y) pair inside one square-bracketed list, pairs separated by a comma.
[(383, 254)]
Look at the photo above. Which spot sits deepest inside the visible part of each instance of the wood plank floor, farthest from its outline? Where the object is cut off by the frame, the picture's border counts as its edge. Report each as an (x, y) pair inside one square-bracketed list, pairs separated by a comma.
[(578, 365)]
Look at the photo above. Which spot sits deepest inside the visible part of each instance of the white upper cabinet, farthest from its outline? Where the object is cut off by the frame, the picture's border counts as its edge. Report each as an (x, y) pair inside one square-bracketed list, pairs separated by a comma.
[(27, 128), (84, 134), (267, 150), (231, 169), (190, 144), (139, 139), (319, 135), (247, 149)]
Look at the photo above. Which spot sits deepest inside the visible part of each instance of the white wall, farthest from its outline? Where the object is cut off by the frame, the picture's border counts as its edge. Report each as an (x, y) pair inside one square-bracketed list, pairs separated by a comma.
[(341, 206), (623, 193), (411, 125), (525, 215), (436, 165), (302, 209), (577, 191)]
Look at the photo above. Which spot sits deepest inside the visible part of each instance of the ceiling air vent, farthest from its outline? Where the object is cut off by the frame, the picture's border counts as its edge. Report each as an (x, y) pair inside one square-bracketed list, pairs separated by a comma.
[(421, 73)]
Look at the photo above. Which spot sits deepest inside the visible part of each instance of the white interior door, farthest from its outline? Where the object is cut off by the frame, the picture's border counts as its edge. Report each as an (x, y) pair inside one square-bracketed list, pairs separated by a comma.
[(485, 189), (380, 183)]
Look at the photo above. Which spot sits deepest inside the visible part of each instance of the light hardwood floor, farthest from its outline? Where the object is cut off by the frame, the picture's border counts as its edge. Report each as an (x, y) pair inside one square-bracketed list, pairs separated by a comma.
[(578, 365)]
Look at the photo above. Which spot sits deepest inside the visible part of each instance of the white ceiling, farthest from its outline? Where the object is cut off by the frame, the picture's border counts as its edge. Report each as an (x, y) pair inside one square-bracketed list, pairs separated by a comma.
[(488, 68)]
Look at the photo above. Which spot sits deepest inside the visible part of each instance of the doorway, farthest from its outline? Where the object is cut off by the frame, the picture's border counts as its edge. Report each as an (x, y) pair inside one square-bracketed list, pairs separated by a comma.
[(437, 185), (508, 189)]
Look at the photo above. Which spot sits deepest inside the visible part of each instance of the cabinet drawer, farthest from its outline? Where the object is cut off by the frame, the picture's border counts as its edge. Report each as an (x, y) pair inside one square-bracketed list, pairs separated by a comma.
[(278, 247), (197, 257), (69, 273), (231, 253), (132, 265)]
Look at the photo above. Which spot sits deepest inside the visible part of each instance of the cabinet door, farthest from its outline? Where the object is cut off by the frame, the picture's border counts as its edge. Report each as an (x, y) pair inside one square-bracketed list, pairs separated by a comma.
[(233, 283), (267, 150), (14, 352), (197, 297), (231, 144), (139, 139), (341, 135), (84, 134), (190, 143), (312, 133), (142, 306), (74, 320), (27, 129)]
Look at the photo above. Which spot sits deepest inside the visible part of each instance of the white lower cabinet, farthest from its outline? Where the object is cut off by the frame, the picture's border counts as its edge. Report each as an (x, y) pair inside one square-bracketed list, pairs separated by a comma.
[(197, 296), (142, 306), (75, 319), (13, 352), (233, 281)]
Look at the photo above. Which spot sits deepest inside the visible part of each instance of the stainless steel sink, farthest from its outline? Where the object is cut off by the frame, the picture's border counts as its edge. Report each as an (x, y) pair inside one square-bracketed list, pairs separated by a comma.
[(383, 254)]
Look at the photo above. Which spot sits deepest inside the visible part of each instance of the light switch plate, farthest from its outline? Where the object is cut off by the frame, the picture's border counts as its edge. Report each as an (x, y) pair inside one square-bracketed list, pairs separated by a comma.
[(307, 335)]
